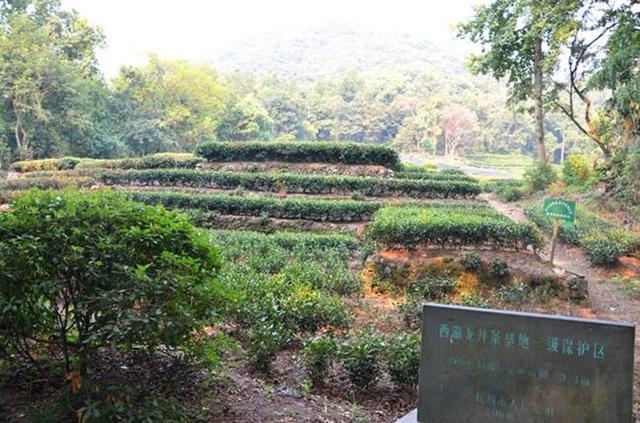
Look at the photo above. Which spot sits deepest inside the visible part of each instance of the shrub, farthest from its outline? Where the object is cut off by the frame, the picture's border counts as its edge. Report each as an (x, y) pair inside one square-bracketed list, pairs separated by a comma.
[(360, 356), (498, 269), (154, 161), (296, 208), (58, 183), (435, 176), (411, 226), (295, 183), (603, 249), (433, 288), (576, 170), (319, 152), (539, 177), (80, 271), (64, 163), (265, 340), (471, 261), (402, 360), (510, 192), (318, 354)]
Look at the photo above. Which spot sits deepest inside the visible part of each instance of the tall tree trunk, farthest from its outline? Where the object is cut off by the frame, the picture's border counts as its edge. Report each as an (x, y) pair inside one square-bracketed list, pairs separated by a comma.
[(537, 100)]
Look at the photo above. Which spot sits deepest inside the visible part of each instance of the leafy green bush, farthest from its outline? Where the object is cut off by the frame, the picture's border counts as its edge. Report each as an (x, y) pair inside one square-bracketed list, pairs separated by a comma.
[(413, 226), (402, 360), (539, 177), (24, 184), (154, 161), (46, 164), (604, 248), (296, 208), (433, 288), (85, 270), (435, 176), (265, 340), (318, 354), (470, 260), (295, 183), (320, 152), (510, 192), (360, 355), (576, 170), (499, 269)]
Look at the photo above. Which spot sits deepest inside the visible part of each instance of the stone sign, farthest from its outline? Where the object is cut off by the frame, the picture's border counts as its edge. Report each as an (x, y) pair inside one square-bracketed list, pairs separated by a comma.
[(483, 365)]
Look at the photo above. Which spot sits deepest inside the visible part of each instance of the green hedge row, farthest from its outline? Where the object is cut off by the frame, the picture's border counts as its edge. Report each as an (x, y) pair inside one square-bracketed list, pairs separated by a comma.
[(286, 240), (435, 176), (413, 226), (305, 152), (295, 183), (23, 184), (154, 161), (602, 242), (64, 163), (318, 210)]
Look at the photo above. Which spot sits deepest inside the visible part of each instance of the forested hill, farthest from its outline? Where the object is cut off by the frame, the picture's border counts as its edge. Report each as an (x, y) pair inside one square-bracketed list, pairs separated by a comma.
[(332, 50)]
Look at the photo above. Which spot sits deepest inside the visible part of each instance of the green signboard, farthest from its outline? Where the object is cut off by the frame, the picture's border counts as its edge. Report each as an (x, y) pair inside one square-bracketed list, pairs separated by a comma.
[(557, 208)]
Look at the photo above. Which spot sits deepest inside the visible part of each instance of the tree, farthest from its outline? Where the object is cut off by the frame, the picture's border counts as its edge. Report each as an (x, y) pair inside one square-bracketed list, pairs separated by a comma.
[(522, 42), (601, 56), (246, 120), (47, 60), (168, 105), (459, 126)]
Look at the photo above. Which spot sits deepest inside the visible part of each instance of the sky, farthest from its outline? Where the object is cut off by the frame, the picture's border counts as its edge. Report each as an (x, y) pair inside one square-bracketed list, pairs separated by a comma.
[(197, 30)]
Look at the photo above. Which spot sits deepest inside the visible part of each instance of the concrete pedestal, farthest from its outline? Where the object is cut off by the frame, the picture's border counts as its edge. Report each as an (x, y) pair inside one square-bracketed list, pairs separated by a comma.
[(412, 417)]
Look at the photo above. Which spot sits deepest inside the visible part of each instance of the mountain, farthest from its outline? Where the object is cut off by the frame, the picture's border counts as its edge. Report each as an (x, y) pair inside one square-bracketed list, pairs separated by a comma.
[(333, 50)]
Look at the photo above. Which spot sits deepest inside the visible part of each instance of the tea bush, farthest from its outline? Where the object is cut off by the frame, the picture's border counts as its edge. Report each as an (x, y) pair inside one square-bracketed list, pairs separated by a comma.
[(604, 249), (498, 269), (318, 355), (435, 176), (277, 297), (81, 271), (360, 355), (471, 261), (295, 183), (265, 340), (153, 161), (318, 152), (46, 164), (58, 183), (296, 208), (433, 288), (411, 226), (402, 360)]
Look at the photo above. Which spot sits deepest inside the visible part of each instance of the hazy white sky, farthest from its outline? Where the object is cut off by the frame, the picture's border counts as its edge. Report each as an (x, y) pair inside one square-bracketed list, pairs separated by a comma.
[(196, 29)]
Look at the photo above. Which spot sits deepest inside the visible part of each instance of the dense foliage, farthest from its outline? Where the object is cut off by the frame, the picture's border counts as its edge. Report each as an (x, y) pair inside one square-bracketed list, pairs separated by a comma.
[(287, 285), (296, 183), (80, 271), (411, 226), (290, 208), (300, 152)]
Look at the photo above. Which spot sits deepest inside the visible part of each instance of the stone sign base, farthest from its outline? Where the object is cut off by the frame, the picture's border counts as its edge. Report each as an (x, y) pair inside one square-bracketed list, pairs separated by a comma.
[(412, 417)]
